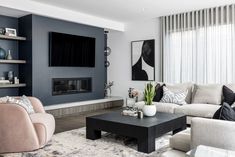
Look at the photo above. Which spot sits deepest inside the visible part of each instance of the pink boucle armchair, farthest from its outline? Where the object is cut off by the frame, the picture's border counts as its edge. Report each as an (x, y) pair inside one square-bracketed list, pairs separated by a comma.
[(20, 132)]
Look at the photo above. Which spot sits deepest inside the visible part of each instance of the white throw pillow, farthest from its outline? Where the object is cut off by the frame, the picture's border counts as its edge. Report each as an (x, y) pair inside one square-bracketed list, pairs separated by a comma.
[(182, 87), (174, 97), (23, 102)]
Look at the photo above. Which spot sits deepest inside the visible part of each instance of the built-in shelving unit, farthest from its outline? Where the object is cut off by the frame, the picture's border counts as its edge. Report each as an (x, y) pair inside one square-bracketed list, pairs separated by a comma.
[(4, 61), (6, 37), (12, 85)]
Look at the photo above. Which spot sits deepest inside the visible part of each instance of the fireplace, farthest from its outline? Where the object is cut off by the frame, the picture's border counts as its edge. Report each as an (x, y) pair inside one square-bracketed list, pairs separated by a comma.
[(61, 86)]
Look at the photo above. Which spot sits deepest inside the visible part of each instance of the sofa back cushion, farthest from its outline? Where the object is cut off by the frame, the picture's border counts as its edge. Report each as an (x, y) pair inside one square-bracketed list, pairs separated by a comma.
[(207, 94), (182, 87)]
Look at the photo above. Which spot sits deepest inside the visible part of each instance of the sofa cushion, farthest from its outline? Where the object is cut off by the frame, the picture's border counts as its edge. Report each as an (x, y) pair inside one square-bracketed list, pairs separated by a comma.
[(207, 94), (182, 87), (228, 95), (174, 97), (198, 110), (158, 92), (165, 107), (181, 141), (225, 112)]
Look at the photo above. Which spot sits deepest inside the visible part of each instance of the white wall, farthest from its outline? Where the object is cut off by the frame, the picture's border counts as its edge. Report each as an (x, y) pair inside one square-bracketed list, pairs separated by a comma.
[(119, 70)]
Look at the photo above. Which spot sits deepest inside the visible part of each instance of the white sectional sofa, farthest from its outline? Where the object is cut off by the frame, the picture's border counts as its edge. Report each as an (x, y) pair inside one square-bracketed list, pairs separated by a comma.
[(202, 100)]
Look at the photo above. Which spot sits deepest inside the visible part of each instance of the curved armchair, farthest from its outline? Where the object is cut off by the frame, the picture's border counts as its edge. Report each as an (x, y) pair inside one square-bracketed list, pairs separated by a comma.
[(20, 131)]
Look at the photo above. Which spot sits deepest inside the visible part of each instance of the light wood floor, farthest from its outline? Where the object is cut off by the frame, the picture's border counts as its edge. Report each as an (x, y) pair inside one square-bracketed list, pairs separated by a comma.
[(77, 121)]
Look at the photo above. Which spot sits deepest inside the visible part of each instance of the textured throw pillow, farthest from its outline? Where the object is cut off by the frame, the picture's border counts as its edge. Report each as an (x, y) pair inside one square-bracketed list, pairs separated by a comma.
[(158, 92), (207, 94), (172, 97), (182, 87), (225, 112), (229, 95), (23, 102)]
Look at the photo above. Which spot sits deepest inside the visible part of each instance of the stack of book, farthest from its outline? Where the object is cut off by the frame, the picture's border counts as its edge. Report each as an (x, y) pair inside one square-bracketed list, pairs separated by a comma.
[(4, 82), (126, 112)]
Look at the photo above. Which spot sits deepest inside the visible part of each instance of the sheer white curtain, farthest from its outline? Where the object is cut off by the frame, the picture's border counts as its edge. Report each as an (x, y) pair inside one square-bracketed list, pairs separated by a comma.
[(199, 46)]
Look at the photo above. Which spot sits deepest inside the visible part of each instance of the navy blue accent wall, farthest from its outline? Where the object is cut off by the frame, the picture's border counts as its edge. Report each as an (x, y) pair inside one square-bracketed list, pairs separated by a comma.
[(9, 22), (40, 74)]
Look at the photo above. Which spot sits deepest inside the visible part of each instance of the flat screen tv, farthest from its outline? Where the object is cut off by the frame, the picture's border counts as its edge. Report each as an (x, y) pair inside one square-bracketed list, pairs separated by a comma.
[(71, 50)]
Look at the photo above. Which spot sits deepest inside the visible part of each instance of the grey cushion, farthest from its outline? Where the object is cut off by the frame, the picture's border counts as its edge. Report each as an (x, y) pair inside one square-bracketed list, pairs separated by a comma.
[(182, 87), (165, 107), (207, 94), (198, 110), (181, 141)]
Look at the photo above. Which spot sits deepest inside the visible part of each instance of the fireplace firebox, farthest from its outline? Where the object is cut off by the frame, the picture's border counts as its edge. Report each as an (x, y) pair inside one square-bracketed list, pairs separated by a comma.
[(61, 86)]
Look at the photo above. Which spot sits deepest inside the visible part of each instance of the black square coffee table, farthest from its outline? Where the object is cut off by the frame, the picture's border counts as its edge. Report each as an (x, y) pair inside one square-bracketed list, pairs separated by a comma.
[(144, 130)]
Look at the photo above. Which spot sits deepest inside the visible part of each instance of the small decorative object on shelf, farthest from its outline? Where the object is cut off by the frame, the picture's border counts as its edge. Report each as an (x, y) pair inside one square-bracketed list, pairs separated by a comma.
[(16, 80), (9, 57), (2, 53), (2, 31), (11, 32), (149, 108), (108, 87), (11, 77)]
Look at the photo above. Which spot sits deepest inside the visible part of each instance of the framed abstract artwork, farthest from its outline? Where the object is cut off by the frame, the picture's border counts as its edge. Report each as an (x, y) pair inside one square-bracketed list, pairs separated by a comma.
[(143, 60)]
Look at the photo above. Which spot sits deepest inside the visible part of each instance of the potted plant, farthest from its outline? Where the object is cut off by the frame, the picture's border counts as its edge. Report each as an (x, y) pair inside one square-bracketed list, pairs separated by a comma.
[(149, 108)]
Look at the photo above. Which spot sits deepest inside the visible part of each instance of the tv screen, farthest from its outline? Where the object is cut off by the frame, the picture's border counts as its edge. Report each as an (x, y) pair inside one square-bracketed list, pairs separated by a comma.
[(71, 50)]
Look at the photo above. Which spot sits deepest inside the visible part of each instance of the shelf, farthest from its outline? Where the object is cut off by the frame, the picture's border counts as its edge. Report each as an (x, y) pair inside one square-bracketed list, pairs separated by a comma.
[(12, 85), (5, 61), (6, 37)]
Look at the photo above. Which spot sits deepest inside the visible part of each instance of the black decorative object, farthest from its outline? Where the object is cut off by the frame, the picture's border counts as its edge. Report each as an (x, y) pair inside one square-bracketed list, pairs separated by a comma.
[(107, 50), (143, 60), (158, 92), (229, 95)]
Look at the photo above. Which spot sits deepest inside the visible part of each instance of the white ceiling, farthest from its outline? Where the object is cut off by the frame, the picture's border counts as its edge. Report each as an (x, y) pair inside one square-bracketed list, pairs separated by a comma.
[(130, 10), (110, 14)]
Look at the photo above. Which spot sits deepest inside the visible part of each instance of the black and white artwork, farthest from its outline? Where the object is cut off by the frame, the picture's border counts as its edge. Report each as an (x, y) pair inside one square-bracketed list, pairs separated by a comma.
[(143, 60)]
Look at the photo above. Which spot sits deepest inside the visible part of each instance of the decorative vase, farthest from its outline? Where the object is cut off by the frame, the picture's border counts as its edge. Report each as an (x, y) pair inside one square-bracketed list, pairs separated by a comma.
[(11, 76), (9, 57), (130, 102), (149, 110), (2, 53)]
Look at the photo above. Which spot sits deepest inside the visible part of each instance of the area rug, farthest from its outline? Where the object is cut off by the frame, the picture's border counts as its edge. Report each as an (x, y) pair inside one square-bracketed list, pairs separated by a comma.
[(74, 144)]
